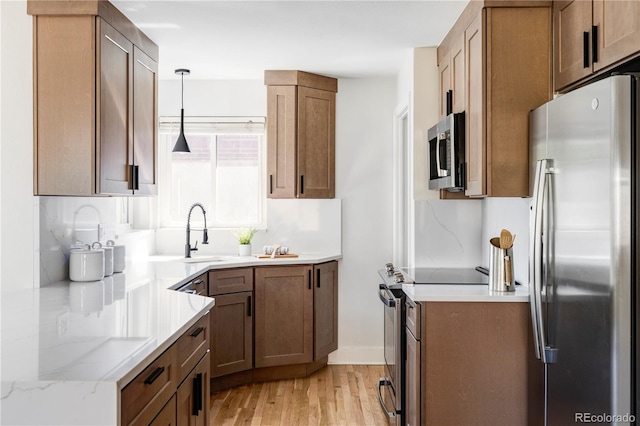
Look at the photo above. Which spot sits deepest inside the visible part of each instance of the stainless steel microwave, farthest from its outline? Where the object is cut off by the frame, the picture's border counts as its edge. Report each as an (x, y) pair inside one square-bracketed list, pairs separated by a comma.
[(446, 154)]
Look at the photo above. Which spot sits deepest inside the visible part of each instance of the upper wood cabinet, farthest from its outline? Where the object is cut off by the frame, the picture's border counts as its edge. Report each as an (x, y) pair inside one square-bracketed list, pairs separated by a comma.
[(95, 101), (505, 51), (301, 109), (590, 36), (452, 79)]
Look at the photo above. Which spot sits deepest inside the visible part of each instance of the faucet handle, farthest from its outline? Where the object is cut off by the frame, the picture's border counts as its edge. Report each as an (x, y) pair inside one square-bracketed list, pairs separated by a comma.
[(195, 247), (205, 236)]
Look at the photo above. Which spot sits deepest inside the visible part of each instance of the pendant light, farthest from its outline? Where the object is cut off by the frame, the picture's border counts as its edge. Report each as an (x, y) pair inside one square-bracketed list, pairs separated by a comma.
[(181, 144)]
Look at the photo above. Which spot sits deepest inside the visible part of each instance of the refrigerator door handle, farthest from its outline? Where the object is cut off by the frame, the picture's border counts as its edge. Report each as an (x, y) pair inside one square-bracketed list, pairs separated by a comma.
[(543, 352)]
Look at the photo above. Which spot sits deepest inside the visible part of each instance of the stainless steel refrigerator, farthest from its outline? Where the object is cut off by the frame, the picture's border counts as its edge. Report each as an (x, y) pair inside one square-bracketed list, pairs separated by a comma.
[(583, 251)]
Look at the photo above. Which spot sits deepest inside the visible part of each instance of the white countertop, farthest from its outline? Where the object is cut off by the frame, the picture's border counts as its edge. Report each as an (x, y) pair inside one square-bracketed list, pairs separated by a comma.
[(463, 293), (69, 348)]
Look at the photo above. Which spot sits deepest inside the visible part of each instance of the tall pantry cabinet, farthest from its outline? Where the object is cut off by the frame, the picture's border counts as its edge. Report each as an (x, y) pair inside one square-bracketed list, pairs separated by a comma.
[(95, 101)]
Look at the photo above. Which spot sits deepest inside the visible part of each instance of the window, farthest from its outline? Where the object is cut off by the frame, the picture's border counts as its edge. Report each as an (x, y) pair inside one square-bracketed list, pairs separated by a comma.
[(224, 172)]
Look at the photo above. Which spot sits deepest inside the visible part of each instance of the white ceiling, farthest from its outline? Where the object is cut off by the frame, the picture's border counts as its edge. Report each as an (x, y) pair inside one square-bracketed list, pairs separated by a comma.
[(240, 39)]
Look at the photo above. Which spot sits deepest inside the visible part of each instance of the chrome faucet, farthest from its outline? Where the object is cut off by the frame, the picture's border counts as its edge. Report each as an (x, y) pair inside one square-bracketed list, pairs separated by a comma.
[(205, 235)]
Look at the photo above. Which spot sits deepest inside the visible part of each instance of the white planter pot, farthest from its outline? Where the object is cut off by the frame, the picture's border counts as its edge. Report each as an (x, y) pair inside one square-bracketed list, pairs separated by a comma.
[(244, 250)]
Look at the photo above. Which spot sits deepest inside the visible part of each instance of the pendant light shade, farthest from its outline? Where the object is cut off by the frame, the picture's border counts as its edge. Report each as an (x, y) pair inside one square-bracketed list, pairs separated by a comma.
[(181, 144)]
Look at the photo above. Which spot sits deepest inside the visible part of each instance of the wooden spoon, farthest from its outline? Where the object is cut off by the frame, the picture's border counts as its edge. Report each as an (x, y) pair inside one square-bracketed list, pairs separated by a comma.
[(506, 240)]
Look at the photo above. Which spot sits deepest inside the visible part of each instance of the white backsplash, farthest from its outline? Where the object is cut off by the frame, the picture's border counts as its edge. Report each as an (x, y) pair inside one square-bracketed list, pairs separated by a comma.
[(305, 226), (511, 214), (448, 233), (64, 220)]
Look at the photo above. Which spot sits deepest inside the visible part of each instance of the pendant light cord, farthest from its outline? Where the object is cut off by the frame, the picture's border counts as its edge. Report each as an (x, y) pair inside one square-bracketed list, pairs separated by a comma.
[(182, 84)]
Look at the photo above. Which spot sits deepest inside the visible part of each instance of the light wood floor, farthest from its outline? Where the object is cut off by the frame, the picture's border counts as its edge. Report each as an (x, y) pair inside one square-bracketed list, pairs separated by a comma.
[(335, 395)]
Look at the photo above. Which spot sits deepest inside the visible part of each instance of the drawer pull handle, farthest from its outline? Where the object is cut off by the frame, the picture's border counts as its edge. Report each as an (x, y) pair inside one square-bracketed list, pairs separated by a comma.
[(249, 306), (318, 278), (196, 282), (156, 373), (197, 331)]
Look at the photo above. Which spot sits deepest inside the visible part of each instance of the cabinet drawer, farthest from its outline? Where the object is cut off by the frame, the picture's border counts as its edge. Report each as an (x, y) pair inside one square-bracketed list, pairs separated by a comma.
[(145, 396), (230, 281), (413, 317), (199, 285), (192, 346)]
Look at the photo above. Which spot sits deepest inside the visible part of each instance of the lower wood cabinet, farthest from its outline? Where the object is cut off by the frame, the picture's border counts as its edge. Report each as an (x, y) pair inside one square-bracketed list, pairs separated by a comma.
[(231, 320), (232, 334), (166, 417), (472, 363), (325, 306), (413, 392), (192, 397), (174, 388), (284, 315), (272, 322)]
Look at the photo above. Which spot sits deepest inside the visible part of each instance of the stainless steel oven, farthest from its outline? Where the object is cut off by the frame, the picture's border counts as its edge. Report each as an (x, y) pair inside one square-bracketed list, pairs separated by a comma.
[(391, 386)]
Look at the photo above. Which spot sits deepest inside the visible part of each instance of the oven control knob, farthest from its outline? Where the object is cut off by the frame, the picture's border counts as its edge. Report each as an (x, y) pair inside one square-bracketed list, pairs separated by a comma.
[(389, 268), (398, 277)]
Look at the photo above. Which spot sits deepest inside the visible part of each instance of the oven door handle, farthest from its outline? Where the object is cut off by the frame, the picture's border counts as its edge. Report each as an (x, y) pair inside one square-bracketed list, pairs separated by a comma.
[(384, 382), (384, 290)]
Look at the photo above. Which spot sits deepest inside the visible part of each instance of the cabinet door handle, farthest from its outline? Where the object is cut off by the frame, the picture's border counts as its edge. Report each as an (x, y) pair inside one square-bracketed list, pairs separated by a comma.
[(449, 102), (270, 184), (302, 184), (197, 331), (197, 394), (249, 307), (153, 376), (318, 278), (197, 282), (585, 49), (132, 177), (309, 279), (594, 43)]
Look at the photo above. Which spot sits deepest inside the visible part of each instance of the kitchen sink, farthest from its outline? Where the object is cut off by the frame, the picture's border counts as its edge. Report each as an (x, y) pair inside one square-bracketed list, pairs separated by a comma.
[(203, 259)]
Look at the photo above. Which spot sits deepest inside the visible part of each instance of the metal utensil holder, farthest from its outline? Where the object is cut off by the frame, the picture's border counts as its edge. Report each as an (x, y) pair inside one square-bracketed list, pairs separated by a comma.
[(501, 269)]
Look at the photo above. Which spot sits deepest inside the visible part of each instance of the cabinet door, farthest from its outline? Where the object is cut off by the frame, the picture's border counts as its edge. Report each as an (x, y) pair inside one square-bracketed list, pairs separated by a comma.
[(281, 141), (571, 31), (231, 334), (64, 105), (167, 416), (326, 309), (413, 394), (475, 141), (458, 81), (316, 143), (115, 111), (444, 69), (145, 123), (193, 396), (618, 30), (283, 316)]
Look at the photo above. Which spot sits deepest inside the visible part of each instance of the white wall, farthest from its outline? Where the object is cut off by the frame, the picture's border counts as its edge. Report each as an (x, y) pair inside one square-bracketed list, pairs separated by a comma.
[(511, 214), (446, 233), (18, 227), (364, 133)]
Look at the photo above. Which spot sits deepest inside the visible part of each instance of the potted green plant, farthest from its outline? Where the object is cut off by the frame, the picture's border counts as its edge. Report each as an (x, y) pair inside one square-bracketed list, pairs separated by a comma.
[(244, 236)]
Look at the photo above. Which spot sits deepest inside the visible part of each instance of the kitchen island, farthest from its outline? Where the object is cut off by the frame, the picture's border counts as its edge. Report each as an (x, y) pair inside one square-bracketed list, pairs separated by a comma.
[(69, 349)]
